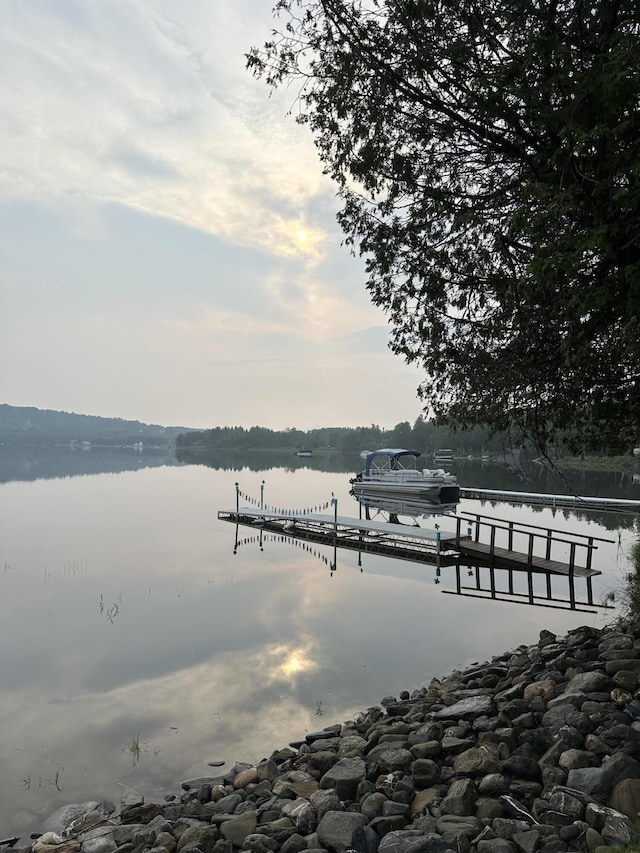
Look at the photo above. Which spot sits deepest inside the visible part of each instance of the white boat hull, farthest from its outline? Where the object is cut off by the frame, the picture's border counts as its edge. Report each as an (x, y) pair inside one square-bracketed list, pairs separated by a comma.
[(441, 490)]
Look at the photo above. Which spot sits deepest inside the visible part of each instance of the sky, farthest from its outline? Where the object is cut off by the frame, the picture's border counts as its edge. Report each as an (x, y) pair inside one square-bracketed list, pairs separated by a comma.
[(168, 245)]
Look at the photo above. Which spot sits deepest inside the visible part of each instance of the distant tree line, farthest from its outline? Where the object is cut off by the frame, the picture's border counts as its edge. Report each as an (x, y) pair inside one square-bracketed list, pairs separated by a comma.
[(27, 425), (423, 435)]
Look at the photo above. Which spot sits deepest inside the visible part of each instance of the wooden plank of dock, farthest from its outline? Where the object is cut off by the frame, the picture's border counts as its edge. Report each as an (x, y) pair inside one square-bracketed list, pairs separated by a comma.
[(517, 559)]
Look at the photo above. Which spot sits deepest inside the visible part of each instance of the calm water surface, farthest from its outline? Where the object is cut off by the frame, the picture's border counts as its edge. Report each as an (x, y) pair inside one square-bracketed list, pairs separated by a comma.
[(135, 647)]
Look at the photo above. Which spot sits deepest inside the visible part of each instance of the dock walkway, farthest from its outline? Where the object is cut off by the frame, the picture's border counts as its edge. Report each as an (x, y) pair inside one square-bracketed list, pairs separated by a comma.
[(431, 545)]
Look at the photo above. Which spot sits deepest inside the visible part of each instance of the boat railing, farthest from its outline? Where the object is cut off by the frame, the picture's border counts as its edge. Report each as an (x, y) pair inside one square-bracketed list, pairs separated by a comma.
[(393, 473), (402, 474)]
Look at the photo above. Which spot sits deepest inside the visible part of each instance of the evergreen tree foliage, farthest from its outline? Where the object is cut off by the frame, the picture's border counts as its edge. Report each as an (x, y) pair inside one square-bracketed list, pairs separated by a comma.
[(487, 158)]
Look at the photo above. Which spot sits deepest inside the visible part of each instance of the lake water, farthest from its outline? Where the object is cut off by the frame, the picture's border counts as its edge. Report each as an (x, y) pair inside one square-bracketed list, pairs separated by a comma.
[(136, 647)]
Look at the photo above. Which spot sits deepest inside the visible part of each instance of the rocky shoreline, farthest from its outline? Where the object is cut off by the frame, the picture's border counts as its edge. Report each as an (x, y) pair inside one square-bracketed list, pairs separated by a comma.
[(535, 751)]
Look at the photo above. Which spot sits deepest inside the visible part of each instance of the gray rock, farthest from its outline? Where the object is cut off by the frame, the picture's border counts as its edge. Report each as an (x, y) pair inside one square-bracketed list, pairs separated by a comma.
[(619, 830), (522, 767), (477, 761), (425, 772), (493, 783), (527, 841), (352, 746), (588, 682), (267, 770), (237, 829), (412, 841), (488, 808), (61, 818), (364, 840), (371, 806), (625, 798), (600, 781), (227, 804), (98, 842), (390, 807), (626, 679), (452, 827), (345, 776), (593, 840), (336, 829), (302, 814), (613, 666), (496, 845), (294, 844), (507, 827), (259, 843), (572, 759), (467, 709), (390, 760), (460, 798), (198, 837)]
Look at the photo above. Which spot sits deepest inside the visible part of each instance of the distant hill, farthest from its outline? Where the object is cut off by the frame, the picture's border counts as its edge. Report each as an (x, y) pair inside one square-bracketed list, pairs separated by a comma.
[(25, 425)]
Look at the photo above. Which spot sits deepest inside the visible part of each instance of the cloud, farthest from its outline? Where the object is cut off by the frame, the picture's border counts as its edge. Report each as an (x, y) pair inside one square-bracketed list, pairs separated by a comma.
[(164, 222), (152, 108)]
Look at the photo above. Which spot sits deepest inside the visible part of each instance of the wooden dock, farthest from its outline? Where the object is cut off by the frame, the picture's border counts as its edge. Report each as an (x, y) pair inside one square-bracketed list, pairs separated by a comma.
[(476, 539), (484, 546)]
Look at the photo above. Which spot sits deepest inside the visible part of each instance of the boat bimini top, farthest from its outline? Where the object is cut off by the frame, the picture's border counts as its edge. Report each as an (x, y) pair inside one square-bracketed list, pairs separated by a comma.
[(394, 459)]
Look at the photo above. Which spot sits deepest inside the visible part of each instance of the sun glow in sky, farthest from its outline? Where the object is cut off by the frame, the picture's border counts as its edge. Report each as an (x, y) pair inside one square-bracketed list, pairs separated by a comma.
[(168, 249)]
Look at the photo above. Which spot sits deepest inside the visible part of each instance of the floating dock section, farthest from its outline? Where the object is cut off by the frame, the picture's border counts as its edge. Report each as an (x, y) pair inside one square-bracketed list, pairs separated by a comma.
[(404, 542), (559, 501)]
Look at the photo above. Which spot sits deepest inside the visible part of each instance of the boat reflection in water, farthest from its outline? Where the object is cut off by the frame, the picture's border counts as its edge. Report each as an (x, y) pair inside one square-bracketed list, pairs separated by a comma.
[(404, 510)]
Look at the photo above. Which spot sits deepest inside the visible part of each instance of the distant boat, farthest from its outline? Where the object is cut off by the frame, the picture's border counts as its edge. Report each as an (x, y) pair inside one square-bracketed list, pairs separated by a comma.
[(393, 472), (304, 452), (444, 454)]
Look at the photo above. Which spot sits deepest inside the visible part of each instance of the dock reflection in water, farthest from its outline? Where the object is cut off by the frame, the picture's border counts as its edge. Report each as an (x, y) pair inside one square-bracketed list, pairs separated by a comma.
[(391, 528)]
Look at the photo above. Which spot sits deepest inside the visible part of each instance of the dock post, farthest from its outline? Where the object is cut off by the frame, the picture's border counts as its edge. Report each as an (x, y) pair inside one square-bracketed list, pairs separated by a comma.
[(572, 591), (590, 547), (237, 500), (334, 501), (262, 495)]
